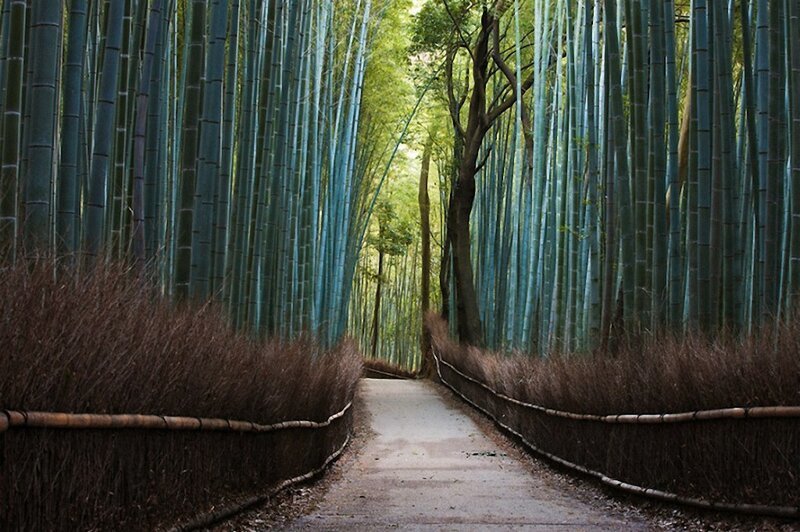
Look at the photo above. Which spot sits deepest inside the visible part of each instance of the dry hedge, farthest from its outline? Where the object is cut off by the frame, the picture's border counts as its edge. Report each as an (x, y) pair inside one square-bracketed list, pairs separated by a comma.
[(106, 343), (381, 369)]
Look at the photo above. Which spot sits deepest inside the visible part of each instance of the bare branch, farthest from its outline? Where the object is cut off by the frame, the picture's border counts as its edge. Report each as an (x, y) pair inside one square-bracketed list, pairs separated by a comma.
[(480, 165), (511, 76), (457, 26), (454, 105)]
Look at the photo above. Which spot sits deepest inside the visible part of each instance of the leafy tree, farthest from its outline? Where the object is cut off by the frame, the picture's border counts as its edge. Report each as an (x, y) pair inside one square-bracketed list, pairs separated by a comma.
[(393, 238), (488, 86)]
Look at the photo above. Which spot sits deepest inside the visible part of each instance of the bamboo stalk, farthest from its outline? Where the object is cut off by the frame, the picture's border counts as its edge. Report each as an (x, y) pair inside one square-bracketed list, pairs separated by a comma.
[(12, 128)]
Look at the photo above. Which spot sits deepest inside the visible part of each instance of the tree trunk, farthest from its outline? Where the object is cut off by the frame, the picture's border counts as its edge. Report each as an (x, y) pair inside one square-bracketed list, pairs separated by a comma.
[(463, 196), (376, 315), (39, 176), (445, 265), (467, 314), (105, 112), (68, 218), (444, 276), (192, 91), (427, 369), (12, 127)]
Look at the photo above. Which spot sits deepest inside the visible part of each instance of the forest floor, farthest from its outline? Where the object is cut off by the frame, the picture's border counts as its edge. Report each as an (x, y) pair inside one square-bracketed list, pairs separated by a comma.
[(421, 460)]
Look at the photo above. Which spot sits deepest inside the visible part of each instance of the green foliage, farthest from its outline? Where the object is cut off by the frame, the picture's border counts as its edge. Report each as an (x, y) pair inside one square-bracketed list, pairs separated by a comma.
[(439, 26), (394, 233)]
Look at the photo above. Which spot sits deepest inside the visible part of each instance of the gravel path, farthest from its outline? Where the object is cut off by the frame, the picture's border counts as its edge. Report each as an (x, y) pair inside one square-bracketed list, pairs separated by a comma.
[(429, 467)]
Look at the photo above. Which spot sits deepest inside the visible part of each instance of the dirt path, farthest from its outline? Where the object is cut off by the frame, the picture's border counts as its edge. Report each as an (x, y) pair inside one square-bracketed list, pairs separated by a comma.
[(429, 467)]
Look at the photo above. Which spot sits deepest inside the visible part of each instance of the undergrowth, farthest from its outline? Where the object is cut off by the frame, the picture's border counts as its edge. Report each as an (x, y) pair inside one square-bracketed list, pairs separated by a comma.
[(380, 367), (107, 343)]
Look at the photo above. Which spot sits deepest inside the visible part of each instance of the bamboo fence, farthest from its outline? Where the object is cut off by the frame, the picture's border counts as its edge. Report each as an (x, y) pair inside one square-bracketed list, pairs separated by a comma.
[(293, 451), (679, 417), (736, 414), (383, 374)]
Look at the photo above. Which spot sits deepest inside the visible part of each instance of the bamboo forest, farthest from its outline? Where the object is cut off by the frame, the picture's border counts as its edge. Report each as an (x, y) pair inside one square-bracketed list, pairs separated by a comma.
[(249, 216)]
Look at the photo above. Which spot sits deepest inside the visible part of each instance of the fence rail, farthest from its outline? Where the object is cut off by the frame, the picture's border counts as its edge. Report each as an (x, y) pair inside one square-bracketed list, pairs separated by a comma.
[(743, 412), (61, 420), (386, 374)]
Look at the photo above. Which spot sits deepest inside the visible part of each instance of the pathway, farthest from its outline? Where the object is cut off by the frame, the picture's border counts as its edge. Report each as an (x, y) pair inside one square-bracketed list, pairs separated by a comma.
[(429, 467)]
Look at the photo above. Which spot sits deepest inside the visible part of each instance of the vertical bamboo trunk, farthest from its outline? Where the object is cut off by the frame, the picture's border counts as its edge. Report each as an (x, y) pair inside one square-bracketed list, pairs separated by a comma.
[(222, 255), (105, 113), (118, 185), (377, 310), (762, 274), (142, 105), (191, 95), (793, 36), (593, 207), (67, 222), (657, 163), (776, 159), (729, 259), (39, 175), (752, 165), (618, 166), (639, 148), (673, 174), (701, 175), (12, 113), (209, 153)]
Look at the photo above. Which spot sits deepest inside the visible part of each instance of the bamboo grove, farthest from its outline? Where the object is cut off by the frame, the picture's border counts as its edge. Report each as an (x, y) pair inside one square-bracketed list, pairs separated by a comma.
[(603, 166), (214, 144), (647, 175)]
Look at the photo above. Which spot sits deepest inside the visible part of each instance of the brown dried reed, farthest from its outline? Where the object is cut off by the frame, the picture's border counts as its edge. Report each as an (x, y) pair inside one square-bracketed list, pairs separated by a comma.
[(376, 368), (657, 374), (108, 343)]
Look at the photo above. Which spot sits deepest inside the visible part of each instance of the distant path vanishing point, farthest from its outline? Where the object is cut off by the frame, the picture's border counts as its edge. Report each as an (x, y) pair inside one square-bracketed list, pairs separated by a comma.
[(429, 467)]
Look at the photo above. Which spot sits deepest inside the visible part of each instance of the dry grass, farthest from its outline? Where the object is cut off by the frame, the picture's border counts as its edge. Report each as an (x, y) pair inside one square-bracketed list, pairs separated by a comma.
[(107, 343), (377, 368), (661, 374), (104, 344)]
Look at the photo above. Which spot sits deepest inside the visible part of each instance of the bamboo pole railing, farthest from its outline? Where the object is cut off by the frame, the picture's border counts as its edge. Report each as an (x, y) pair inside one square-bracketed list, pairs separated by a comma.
[(10, 419), (680, 417), (700, 415)]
